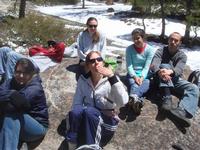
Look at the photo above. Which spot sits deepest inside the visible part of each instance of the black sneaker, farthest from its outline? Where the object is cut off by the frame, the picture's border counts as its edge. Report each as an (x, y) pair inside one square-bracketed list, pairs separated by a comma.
[(137, 106), (180, 115), (166, 102)]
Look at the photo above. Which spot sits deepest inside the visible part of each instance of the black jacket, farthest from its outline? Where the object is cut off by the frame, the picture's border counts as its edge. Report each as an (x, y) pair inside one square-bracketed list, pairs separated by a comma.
[(28, 99)]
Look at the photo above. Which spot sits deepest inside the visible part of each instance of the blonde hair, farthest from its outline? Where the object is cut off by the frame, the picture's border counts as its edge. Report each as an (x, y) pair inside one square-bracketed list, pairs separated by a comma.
[(96, 35)]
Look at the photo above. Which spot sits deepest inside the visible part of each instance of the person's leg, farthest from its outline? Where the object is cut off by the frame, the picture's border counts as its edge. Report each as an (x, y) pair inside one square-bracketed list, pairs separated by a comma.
[(9, 132), (3, 58), (12, 58), (75, 122), (142, 89), (190, 95), (132, 86), (108, 129), (165, 90), (188, 102), (31, 130), (92, 125), (136, 94)]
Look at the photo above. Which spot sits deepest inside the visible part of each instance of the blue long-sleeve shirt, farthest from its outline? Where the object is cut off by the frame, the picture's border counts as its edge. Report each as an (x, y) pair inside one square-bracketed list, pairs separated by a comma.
[(138, 64), (85, 44)]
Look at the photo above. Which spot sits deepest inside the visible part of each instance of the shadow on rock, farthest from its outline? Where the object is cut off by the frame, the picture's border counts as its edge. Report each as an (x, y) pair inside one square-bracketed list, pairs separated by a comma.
[(162, 115), (127, 114), (63, 145), (177, 147), (77, 69), (62, 128), (73, 68)]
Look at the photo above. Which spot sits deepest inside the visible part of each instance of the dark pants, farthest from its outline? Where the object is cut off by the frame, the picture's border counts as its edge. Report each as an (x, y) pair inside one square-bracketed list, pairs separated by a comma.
[(95, 127)]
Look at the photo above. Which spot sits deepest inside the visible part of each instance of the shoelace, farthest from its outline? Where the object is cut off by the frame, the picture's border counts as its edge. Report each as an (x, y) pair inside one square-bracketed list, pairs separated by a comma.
[(91, 147)]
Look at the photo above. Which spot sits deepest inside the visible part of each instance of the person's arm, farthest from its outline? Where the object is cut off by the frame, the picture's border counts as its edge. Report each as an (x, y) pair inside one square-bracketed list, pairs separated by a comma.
[(5, 92), (150, 54), (156, 61), (180, 65), (13, 98), (129, 64), (118, 93), (80, 48)]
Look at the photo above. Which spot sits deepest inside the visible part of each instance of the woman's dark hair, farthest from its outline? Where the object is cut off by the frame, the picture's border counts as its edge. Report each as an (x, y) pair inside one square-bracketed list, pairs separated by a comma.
[(96, 35), (87, 59), (138, 31), (27, 65)]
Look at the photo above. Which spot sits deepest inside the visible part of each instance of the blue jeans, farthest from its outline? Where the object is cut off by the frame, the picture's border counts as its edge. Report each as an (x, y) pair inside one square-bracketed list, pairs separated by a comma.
[(8, 59), (189, 95), (165, 83), (91, 125), (19, 127), (139, 90), (188, 92)]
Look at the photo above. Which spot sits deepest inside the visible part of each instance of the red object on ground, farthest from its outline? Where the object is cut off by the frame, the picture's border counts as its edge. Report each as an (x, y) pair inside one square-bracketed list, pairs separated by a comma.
[(55, 52)]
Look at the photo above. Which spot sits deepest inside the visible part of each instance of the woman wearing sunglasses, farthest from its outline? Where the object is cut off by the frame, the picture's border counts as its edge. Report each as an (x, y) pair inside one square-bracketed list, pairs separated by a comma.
[(23, 108), (138, 60), (93, 118), (90, 39)]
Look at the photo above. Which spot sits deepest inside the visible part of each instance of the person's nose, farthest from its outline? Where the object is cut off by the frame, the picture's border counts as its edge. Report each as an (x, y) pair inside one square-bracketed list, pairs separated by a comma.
[(21, 75), (173, 41), (96, 61)]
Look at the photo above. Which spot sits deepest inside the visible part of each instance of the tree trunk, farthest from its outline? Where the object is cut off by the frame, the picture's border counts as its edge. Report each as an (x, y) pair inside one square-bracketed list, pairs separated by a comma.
[(162, 36), (22, 9), (83, 6), (188, 25)]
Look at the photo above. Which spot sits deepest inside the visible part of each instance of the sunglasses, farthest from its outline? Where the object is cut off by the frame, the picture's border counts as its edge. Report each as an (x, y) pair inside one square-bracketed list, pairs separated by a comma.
[(99, 59), (92, 26)]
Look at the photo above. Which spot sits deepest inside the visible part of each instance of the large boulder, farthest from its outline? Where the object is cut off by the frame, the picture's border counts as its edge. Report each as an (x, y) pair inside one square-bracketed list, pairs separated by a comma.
[(151, 130)]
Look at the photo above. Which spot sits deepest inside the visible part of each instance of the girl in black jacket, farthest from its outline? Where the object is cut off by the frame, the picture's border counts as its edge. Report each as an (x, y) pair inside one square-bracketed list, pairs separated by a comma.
[(24, 114)]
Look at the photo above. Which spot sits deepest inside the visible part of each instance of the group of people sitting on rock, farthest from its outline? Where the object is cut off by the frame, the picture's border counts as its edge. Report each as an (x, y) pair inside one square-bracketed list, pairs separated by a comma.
[(93, 117)]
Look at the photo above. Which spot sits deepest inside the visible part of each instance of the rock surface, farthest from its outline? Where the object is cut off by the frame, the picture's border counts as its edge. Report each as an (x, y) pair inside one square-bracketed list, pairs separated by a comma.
[(149, 131)]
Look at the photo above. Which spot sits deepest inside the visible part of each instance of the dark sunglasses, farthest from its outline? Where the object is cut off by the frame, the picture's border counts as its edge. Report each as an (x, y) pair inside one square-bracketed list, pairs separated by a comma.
[(92, 26), (99, 59)]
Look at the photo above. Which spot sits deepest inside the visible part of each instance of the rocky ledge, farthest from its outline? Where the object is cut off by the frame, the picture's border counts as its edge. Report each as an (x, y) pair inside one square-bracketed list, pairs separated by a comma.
[(151, 130)]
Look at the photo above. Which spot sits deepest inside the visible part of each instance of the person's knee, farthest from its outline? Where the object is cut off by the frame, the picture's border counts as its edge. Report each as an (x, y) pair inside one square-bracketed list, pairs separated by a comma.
[(75, 112), (146, 81), (5, 49), (165, 66), (195, 88), (90, 112)]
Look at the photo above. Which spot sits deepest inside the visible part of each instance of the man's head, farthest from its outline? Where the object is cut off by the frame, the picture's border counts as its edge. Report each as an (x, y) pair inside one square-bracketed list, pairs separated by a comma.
[(174, 41)]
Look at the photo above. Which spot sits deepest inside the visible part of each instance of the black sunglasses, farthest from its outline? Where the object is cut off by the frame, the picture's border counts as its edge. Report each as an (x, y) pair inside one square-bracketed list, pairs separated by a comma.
[(92, 26), (99, 59)]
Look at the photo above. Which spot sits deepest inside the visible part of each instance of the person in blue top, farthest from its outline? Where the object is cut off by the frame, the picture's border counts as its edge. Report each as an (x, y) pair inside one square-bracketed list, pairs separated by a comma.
[(138, 60), (23, 108), (90, 40)]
